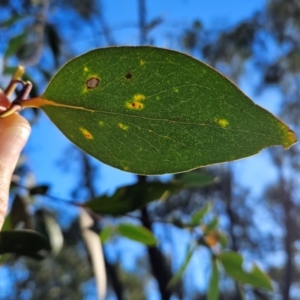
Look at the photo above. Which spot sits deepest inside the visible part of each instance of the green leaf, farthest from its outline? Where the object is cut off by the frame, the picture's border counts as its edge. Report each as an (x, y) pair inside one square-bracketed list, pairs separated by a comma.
[(24, 242), (106, 233), (223, 239), (196, 179), (153, 111), (198, 215), (3, 258), (137, 233), (213, 289), (233, 265), (212, 225), (176, 277), (131, 197), (15, 44), (7, 223), (11, 21)]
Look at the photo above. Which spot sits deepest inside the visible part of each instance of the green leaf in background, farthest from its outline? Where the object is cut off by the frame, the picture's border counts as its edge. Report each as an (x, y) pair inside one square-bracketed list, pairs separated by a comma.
[(153, 111), (15, 44), (106, 233), (7, 225), (213, 289), (137, 233), (131, 197), (233, 266), (196, 178), (197, 216), (24, 242), (212, 225), (11, 21), (178, 275), (223, 239)]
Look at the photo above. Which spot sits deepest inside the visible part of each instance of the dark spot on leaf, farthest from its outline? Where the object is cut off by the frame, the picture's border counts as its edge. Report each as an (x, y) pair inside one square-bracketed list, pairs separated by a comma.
[(92, 83), (133, 104), (128, 75), (140, 106), (217, 120), (242, 111)]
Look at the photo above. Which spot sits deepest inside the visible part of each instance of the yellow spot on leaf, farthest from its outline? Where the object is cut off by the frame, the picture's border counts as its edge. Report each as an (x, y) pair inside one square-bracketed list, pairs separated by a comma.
[(101, 123), (157, 98), (290, 140), (176, 90), (122, 126), (126, 169), (222, 122), (136, 103), (86, 133), (138, 97), (142, 62), (85, 69)]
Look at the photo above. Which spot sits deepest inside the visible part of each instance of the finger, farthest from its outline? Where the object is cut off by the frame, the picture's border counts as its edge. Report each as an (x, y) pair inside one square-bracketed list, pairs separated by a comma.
[(4, 102), (14, 132)]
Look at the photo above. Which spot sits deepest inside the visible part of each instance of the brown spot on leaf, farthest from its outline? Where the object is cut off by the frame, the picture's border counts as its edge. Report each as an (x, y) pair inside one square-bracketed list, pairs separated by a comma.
[(128, 75), (136, 102), (86, 133), (92, 83)]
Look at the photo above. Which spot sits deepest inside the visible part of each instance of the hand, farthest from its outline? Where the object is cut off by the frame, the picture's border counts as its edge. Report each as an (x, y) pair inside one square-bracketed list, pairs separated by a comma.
[(14, 132)]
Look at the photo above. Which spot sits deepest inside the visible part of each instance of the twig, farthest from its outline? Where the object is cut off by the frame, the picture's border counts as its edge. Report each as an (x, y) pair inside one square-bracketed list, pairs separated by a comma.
[(14, 81)]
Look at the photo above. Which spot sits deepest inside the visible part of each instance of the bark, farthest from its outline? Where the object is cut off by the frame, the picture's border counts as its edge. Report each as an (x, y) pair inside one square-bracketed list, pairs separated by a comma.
[(288, 240), (114, 280), (88, 179), (142, 22), (159, 267)]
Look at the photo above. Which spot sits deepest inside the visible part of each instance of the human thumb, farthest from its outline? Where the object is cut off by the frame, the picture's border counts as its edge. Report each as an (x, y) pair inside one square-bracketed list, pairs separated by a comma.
[(14, 132)]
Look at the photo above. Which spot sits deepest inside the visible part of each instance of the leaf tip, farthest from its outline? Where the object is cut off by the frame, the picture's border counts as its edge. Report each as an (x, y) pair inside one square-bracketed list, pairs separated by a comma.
[(290, 139)]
